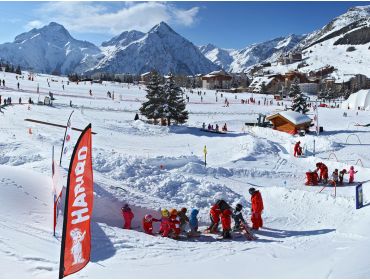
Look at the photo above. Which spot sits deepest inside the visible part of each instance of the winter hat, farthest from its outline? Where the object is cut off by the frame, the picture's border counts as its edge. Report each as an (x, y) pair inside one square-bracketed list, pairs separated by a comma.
[(252, 190), (126, 207), (351, 168), (184, 210), (148, 218), (239, 207)]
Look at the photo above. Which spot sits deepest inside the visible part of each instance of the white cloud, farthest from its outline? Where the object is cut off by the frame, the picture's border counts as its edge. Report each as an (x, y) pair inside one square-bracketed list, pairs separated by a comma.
[(98, 18), (34, 24)]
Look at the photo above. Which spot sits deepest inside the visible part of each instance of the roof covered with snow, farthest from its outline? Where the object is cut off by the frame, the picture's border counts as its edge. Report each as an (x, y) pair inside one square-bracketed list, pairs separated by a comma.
[(358, 99), (294, 117)]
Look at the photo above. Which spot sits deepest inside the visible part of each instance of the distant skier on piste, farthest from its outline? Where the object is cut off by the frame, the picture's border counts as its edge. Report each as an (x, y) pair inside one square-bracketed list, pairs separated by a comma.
[(193, 223), (165, 228), (184, 219), (175, 224), (148, 224), (351, 173), (257, 208), (297, 149), (238, 217), (214, 215)]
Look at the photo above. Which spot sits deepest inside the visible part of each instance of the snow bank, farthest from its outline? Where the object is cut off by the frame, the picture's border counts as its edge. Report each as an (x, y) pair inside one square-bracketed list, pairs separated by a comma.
[(358, 99)]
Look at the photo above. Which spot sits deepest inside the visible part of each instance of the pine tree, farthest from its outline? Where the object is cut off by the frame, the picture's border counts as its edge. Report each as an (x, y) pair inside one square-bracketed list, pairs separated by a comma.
[(153, 108), (174, 106), (299, 104), (294, 90), (263, 88), (18, 70)]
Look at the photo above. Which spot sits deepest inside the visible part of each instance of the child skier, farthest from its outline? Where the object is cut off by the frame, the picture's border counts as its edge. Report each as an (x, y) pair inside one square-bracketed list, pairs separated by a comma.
[(226, 223), (183, 218), (352, 173), (193, 223), (323, 172), (297, 149), (128, 215), (341, 176), (175, 224), (257, 208), (238, 217), (165, 223), (214, 215), (148, 224)]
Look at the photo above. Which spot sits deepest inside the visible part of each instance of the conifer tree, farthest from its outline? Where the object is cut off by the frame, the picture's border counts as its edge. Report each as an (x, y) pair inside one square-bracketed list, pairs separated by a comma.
[(299, 103), (174, 106), (153, 107), (263, 88), (294, 89)]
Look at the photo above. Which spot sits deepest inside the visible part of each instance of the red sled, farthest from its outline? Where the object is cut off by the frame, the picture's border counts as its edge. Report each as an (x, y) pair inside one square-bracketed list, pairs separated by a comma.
[(246, 231)]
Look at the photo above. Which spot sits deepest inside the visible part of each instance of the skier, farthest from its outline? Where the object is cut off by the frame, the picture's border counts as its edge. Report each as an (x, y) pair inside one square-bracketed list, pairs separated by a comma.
[(351, 173), (136, 117), (20, 100), (148, 224), (297, 149), (341, 176), (238, 217), (224, 128), (204, 125), (323, 172), (165, 223), (18, 85), (226, 223), (175, 224), (335, 175), (193, 223), (217, 127), (214, 215), (257, 208), (183, 218), (4, 83), (128, 215)]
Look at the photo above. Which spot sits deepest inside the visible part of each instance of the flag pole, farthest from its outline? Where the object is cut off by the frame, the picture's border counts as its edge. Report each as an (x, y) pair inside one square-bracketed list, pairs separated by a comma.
[(64, 139)]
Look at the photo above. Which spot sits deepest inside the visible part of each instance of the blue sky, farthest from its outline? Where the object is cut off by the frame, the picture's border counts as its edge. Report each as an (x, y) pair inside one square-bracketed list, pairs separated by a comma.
[(225, 24)]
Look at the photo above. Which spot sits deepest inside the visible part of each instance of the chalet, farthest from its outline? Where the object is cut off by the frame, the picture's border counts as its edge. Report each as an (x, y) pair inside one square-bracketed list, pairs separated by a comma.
[(272, 83), (145, 78), (216, 80), (290, 121), (290, 58)]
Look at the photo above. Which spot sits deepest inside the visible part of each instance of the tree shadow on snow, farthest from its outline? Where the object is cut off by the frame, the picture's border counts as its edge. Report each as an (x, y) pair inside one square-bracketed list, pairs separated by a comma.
[(276, 233)]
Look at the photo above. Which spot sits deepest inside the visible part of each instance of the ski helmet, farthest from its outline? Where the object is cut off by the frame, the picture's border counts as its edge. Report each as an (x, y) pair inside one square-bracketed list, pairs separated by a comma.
[(165, 213), (173, 212), (239, 207), (184, 210), (252, 190), (148, 218)]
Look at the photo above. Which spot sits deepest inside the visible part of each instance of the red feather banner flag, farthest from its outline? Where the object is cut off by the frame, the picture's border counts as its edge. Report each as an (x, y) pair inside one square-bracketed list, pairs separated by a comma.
[(76, 238)]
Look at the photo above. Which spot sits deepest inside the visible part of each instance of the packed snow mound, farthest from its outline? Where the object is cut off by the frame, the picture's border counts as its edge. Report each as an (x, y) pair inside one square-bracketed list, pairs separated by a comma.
[(358, 99)]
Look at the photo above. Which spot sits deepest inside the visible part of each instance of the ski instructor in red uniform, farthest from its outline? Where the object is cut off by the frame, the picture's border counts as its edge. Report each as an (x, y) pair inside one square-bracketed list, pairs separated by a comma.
[(257, 208)]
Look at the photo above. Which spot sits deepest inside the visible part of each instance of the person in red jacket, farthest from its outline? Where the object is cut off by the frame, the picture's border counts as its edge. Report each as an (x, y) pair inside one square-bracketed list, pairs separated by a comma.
[(323, 172), (165, 228), (257, 208), (148, 224), (175, 224), (128, 215), (226, 223), (297, 149), (214, 215)]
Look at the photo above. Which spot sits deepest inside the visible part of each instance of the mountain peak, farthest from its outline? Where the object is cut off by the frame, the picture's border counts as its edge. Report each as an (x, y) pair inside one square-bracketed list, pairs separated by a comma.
[(124, 38), (161, 27)]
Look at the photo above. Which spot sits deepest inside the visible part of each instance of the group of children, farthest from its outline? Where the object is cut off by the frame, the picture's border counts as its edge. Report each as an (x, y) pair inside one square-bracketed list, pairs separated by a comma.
[(337, 177), (173, 222), (216, 128)]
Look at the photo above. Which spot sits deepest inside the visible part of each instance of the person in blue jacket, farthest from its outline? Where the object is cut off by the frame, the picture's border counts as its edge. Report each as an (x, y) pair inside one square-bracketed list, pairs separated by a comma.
[(193, 223)]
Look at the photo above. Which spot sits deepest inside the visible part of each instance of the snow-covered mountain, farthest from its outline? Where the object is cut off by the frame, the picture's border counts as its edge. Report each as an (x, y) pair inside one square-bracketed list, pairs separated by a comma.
[(161, 49), (239, 60), (50, 48), (343, 43)]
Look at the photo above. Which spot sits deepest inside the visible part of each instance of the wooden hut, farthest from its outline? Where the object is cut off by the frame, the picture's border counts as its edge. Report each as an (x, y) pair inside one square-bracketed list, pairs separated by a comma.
[(290, 121)]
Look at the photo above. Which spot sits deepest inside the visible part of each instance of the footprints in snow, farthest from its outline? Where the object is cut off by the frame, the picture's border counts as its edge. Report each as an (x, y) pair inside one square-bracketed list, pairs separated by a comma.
[(9, 182)]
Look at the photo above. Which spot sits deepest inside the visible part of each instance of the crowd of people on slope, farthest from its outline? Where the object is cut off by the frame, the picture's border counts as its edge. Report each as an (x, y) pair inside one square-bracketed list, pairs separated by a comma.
[(321, 174), (174, 223), (215, 128)]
